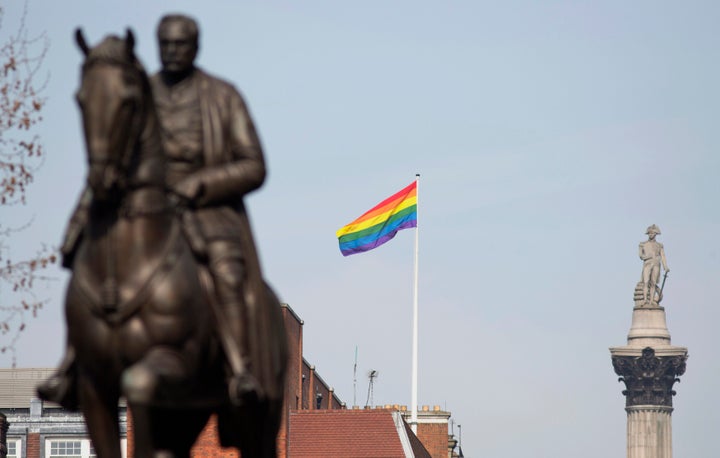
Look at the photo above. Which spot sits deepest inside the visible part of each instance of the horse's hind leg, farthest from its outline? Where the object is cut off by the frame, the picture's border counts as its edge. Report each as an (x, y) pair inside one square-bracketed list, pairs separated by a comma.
[(99, 404)]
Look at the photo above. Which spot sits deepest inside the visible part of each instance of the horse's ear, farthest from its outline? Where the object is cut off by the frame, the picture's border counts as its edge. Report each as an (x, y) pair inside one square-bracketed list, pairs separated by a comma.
[(129, 42), (80, 39)]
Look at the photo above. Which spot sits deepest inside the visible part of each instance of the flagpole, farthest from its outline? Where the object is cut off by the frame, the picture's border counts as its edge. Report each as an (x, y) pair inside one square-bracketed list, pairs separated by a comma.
[(414, 389)]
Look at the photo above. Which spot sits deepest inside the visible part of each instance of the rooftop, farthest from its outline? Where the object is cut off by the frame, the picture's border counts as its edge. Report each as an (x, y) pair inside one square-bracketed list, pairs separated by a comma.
[(352, 434)]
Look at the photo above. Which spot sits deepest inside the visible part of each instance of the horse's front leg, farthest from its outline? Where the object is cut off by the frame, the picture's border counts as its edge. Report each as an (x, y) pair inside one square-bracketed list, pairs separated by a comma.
[(162, 427), (99, 405)]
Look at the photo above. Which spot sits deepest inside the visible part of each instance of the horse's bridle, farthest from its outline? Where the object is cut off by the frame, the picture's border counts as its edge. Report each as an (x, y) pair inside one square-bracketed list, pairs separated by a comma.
[(121, 162)]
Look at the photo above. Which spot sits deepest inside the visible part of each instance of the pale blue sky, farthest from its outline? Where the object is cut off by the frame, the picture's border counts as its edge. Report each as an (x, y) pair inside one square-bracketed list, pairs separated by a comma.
[(549, 135)]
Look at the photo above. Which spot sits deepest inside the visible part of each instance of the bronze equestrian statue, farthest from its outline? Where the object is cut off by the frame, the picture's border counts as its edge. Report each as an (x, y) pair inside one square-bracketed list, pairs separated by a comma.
[(167, 305)]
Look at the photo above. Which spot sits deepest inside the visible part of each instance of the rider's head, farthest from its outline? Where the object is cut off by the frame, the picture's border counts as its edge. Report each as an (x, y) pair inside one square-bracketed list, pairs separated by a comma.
[(652, 231), (178, 39)]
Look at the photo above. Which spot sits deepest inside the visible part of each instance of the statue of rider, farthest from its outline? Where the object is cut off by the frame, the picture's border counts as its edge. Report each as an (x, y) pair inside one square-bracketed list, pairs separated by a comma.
[(214, 158)]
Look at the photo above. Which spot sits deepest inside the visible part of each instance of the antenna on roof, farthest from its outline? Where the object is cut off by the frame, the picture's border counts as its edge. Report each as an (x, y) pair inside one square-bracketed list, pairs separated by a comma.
[(355, 379), (372, 375), (460, 453)]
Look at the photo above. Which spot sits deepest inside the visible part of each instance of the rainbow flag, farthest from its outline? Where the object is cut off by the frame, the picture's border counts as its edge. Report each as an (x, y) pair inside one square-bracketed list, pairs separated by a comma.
[(380, 224)]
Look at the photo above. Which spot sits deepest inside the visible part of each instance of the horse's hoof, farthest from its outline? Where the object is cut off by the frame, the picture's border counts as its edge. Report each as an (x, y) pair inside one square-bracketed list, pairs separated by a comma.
[(243, 388)]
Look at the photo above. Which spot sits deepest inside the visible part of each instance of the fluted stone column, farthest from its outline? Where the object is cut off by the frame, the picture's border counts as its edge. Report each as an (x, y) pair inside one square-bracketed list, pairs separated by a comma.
[(649, 432), (649, 366)]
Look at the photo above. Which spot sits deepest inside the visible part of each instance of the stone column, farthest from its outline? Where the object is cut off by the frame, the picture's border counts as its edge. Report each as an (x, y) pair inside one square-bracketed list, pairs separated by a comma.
[(649, 432), (649, 366)]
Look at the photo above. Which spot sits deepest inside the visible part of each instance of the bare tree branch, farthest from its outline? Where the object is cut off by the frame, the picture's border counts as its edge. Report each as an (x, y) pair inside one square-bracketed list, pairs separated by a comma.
[(21, 103), (21, 155)]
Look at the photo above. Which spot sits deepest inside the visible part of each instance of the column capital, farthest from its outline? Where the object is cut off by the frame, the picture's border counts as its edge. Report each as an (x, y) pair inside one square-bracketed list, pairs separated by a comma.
[(649, 378)]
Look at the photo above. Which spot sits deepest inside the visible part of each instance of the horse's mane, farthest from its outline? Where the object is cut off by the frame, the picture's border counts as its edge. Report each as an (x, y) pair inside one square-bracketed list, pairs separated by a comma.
[(113, 50)]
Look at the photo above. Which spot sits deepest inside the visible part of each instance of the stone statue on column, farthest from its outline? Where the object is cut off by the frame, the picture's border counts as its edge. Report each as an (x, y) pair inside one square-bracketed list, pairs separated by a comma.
[(652, 254), (649, 364)]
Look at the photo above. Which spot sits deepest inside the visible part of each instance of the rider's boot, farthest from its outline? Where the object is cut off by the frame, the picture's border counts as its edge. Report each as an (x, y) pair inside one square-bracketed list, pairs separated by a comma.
[(242, 385), (61, 387)]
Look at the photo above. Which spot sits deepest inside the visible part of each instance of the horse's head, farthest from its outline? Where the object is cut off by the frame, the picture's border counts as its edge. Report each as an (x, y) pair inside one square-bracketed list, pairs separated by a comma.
[(112, 98)]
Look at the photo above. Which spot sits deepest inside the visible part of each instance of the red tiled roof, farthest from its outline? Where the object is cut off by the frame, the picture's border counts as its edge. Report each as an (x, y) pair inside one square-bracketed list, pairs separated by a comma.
[(347, 434), (418, 448)]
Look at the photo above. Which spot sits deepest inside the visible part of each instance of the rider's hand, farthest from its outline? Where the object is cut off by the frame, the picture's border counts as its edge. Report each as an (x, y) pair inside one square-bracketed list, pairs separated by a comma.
[(190, 188)]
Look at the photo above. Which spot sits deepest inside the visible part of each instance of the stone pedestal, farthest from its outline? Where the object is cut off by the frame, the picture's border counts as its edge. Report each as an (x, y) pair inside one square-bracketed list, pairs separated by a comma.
[(649, 365), (648, 327)]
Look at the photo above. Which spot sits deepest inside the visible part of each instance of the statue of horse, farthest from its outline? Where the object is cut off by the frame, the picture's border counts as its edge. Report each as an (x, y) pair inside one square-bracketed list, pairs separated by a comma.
[(140, 323)]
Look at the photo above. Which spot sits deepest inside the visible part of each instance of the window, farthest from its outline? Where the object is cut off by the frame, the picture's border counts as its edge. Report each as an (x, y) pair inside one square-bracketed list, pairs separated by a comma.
[(66, 449), (73, 448), (69, 448), (14, 448)]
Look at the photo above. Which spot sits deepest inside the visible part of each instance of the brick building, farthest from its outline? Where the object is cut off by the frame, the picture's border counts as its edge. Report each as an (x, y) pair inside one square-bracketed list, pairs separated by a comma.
[(39, 430), (316, 423), (432, 430)]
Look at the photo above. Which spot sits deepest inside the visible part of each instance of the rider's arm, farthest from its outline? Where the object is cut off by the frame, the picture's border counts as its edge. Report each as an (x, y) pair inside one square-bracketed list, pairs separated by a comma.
[(246, 171), (664, 261)]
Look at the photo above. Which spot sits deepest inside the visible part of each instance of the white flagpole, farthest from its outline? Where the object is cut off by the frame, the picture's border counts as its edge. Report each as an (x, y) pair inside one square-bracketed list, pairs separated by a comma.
[(413, 401)]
